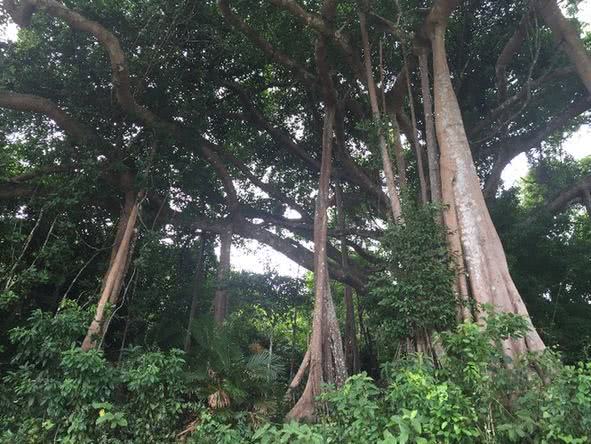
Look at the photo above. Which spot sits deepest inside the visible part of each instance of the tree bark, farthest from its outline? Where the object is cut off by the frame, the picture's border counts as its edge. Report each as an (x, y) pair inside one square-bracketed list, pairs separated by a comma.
[(415, 142), (113, 280), (197, 288), (220, 301), (568, 34), (481, 249), (432, 152), (398, 150)]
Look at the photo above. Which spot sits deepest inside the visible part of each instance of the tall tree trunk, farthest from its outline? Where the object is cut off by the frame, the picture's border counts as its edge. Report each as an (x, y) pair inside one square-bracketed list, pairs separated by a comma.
[(326, 360), (197, 288), (113, 279), (568, 34), (375, 109), (481, 249), (350, 340), (220, 301), (432, 154)]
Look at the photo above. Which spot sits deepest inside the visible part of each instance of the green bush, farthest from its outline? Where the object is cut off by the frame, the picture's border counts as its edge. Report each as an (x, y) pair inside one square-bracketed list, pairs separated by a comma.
[(473, 394), (58, 393), (412, 294)]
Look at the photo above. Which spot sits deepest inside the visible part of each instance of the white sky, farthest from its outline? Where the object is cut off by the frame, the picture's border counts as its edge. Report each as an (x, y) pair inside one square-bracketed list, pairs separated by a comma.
[(253, 256)]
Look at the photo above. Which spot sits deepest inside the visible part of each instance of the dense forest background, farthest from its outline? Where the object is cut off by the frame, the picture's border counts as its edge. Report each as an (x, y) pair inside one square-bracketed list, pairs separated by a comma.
[(143, 142)]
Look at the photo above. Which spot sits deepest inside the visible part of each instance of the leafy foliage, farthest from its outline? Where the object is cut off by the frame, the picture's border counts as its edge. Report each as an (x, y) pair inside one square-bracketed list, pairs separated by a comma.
[(413, 294)]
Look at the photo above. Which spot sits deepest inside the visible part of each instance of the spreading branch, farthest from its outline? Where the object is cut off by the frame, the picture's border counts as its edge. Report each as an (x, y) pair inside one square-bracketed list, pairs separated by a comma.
[(524, 143), (576, 193)]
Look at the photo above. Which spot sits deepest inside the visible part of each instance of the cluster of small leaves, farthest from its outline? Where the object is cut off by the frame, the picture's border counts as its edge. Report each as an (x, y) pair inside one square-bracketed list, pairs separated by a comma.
[(413, 293)]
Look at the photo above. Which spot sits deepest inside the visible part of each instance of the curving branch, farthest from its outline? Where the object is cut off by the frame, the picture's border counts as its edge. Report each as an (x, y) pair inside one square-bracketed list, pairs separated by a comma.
[(18, 186), (21, 13), (280, 136), (286, 246), (524, 143), (78, 132), (268, 188), (42, 171), (569, 35), (579, 192)]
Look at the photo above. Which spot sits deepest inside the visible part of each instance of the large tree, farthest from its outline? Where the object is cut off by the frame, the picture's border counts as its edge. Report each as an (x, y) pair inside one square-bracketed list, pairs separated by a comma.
[(227, 118)]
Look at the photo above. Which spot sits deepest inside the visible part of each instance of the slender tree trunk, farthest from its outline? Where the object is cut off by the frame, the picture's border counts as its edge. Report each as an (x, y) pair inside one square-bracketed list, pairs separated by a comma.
[(220, 302), (351, 347), (568, 34), (373, 98), (197, 288), (294, 329), (415, 142), (432, 154), (481, 249), (270, 353), (113, 280), (325, 354)]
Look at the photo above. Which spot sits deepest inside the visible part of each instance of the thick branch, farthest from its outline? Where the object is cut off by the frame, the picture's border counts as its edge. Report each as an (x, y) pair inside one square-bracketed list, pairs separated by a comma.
[(565, 31), (521, 144), (280, 136), (296, 252), (37, 173), (40, 105), (119, 68)]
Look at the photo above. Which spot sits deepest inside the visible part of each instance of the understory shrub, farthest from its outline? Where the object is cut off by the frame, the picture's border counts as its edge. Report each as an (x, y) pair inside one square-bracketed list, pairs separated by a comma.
[(54, 392)]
